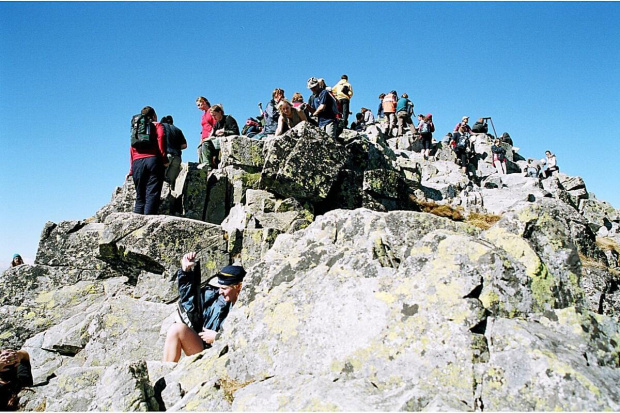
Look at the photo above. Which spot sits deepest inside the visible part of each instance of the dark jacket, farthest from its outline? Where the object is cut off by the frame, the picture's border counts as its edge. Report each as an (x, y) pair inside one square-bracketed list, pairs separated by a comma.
[(229, 124), (174, 139)]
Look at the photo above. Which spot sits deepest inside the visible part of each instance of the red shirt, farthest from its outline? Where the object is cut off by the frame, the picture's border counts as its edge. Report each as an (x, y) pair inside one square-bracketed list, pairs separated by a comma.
[(207, 123), (159, 150)]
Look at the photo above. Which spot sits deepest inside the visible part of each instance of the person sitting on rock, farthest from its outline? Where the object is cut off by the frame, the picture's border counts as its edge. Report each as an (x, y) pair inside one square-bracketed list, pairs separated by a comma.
[(506, 138), (480, 126), (225, 125), (15, 374), (358, 125), (297, 99), (499, 157), (289, 116), (271, 114), (17, 260), (201, 310), (368, 116), (552, 164), (533, 168)]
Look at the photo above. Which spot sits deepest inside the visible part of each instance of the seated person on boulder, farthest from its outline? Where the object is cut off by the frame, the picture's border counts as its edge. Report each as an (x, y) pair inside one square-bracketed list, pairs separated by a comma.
[(480, 126), (15, 374), (225, 125), (201, 310), (289, 116), (551, 163), (533, 168)]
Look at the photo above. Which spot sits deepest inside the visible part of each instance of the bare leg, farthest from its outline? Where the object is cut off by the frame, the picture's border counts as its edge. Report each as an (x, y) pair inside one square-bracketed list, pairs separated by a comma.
[(180, 337)]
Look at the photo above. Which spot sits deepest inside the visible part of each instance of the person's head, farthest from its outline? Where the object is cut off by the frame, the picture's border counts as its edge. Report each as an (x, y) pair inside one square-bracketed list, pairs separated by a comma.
[(277, 94), (202, 103), (229, 280), (363, 110), (285, 107), (297, 97), (322, 83), (217, 111), (548, 154), (359, 116), (497, 141), (465, 119), (381, 96), (404, 95), (345, 77), (167, 119), (420, 116), (429, 117), (17, 260), (149, 112), (313, 84)]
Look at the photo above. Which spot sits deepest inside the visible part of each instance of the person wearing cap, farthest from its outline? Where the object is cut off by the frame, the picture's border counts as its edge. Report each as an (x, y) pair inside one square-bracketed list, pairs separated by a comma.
[(463, 123), (201, 310), (17, 260), (323, 106), (344, 92)]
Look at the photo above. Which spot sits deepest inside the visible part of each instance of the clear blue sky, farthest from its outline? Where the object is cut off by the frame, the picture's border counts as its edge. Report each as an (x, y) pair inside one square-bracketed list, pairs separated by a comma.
[(73, 74)]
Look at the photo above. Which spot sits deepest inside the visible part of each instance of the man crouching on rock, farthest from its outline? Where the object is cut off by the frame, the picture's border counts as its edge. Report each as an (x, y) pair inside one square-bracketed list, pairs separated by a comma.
[(201, 310)]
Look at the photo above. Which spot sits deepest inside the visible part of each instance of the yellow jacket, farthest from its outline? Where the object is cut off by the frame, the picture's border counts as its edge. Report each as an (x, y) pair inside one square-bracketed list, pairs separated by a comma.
[(337, 90)]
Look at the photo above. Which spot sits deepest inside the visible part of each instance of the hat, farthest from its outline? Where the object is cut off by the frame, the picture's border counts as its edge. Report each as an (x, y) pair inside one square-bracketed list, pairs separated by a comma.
[(429, 115), (16, 256), (329, 89), (312, 82), (229, 275), (464, 117)]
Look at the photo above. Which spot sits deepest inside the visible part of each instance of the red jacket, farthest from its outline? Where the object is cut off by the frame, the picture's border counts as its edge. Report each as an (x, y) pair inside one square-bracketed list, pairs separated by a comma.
[(159, 150)]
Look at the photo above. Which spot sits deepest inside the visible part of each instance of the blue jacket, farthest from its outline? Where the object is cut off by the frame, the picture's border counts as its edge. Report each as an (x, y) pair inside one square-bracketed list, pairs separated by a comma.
[(404, 105)]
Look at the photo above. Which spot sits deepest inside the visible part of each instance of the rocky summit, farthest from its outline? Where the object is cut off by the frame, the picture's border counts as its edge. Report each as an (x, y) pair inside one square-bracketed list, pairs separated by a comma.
[(377, 281)]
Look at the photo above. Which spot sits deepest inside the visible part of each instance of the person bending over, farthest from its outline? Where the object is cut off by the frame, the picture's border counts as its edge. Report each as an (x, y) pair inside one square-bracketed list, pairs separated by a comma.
[(202, 310), (15, 374)]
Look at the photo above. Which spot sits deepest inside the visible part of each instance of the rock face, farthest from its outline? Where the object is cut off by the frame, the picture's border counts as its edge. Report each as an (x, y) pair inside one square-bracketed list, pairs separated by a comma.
[(354, 299)]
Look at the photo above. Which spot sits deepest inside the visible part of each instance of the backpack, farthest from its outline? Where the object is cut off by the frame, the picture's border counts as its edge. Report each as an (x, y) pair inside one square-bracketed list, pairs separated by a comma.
[(251, 125), (141, 131), (462, 142), (345, 90)]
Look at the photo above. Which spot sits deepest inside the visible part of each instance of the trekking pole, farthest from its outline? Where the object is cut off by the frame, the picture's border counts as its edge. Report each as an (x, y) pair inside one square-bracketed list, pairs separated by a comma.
[(494, 131)]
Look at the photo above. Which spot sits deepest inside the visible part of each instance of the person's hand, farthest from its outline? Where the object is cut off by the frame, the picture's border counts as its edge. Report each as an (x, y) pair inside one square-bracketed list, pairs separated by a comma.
[(127, 176), (208, 336), (166, 164), (188, 261), (219, 132)]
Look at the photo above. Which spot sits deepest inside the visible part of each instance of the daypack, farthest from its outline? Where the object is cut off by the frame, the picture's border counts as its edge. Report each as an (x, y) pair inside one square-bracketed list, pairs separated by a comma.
[(425, 127), (141, 131), (462, 142), (345, 90), (251, 127)]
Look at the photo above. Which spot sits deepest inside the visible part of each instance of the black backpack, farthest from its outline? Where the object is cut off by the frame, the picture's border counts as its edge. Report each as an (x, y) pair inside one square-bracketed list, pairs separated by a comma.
[(141, 135), (463, 141), (345, 90)]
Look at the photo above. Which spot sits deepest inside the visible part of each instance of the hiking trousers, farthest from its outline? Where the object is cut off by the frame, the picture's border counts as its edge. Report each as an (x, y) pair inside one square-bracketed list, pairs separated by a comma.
[(148, 177), (345, 112), (403, 117), (173, 170)]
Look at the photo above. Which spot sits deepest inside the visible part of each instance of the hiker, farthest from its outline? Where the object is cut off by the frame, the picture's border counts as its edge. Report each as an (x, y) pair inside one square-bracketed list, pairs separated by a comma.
[(15, 374), (147, 166), (271, 113), (175, 143), (551, 163), (17, 260), (462, 147), (480, 126), (389, 109), (506, 138), (225, 125), (206, 149), (323, 106), (380, 113), (289, 116), (343, 91), (252, 128), (499, 157), (359, 124), (201, 310), (404, 111), (297, 99), (368, 116), (464, 124), (424, 129)]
